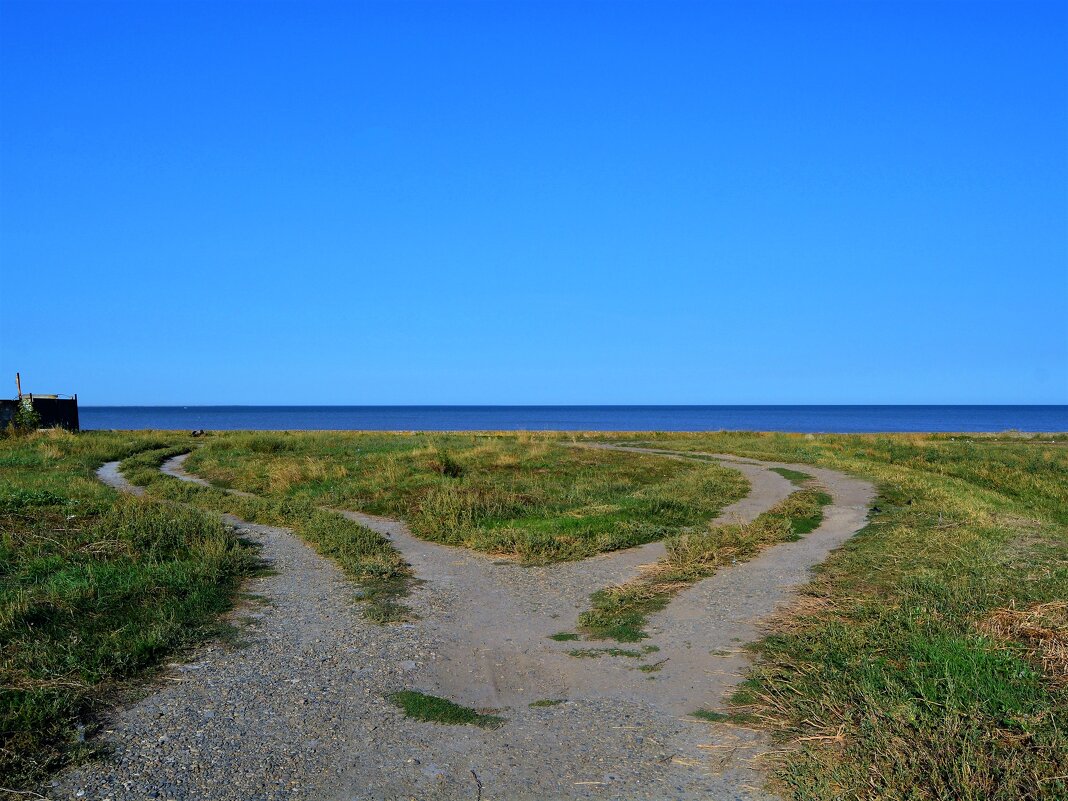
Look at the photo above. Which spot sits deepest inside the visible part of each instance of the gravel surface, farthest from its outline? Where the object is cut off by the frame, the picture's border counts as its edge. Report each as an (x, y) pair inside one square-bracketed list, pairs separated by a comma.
[(299, 709)]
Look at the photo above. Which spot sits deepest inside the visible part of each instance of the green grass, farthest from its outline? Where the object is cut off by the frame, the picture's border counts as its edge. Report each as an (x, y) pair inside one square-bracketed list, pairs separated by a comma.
[(795, 477), (96, 589), (547, 702), (594, 653), (806, 512), (724, 717), (563, 636), (655, 667), (621, 612), (432, 709), (528, 497), (710, 716), (912, 662)]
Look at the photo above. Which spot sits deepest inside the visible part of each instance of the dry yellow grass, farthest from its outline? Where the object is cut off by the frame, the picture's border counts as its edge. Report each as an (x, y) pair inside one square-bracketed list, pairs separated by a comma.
[(281, 475), (1041, 628)]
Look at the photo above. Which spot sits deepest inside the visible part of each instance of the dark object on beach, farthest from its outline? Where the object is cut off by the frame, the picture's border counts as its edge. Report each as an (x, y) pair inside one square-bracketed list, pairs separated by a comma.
[(50, 411), (54, 412)]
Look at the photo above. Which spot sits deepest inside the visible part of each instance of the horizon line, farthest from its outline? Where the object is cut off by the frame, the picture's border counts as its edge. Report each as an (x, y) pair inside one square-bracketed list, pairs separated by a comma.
[(538, 405)]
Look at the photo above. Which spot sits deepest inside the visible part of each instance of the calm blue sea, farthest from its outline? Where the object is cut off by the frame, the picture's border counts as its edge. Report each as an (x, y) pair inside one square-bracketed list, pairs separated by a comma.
[(856, 419)]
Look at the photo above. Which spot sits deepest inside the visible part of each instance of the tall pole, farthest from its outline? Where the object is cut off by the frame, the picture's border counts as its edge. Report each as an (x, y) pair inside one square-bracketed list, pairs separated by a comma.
[(18, 383)]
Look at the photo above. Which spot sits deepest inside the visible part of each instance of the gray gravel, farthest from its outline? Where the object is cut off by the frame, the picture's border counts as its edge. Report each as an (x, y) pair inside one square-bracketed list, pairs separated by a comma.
[(300, 709)]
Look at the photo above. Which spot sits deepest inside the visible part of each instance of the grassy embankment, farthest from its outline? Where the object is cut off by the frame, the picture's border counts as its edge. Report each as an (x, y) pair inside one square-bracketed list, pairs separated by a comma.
[(929, 658), (96, 588), (523, 496)]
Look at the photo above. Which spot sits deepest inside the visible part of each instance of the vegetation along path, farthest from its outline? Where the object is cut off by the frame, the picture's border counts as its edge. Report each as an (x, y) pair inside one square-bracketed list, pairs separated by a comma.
[(301, 708)]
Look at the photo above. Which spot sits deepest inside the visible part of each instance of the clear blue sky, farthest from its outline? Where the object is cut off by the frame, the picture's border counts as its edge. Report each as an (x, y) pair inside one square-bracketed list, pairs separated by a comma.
[(583, 202)]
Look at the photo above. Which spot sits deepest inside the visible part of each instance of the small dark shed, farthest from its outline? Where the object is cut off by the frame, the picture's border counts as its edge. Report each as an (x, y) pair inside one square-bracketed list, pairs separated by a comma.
[(54, 411)]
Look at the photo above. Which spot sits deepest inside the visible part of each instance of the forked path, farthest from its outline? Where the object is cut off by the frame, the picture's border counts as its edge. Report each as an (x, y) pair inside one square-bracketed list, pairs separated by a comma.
[(301, 710)]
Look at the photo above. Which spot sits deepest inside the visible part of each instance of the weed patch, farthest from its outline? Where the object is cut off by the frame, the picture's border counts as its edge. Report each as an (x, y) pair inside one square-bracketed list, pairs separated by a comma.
[(654, 667), (796, 477), (723, 717), (595, 653), (432, 709)]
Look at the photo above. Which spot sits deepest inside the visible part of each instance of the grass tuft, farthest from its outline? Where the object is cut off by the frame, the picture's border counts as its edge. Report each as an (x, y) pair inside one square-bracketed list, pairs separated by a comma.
[(564, 636), (432, 709), (654, 667), (596, 653), (796, 477), (710, 716)]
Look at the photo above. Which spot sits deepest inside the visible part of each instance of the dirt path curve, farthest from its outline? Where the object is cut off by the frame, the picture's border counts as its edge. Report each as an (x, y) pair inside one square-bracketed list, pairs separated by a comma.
[(110, 475), (494, 618), (717, 615), (300, 710)]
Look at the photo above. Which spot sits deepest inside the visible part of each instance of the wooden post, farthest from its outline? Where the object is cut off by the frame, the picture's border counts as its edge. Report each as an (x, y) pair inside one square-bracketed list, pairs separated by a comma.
[(18, 383)]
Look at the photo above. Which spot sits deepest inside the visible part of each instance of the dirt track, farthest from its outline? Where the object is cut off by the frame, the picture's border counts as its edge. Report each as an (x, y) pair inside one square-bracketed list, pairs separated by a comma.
[(300, 711)]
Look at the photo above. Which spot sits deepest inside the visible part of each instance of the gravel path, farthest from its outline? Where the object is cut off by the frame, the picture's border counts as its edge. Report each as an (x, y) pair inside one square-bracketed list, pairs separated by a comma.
[(736, 598), (110, 475), (300, 709)]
